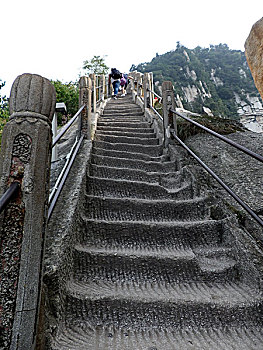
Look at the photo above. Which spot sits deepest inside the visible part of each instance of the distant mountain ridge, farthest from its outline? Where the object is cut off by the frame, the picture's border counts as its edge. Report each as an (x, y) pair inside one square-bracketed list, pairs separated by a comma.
[(215, 78)]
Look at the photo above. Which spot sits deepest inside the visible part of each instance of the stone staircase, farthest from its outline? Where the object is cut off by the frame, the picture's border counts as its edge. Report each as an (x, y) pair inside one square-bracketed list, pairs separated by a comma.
[(152, 269)]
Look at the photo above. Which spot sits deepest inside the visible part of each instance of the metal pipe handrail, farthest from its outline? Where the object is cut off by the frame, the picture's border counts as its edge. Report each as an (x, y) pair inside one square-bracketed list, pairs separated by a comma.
[(64, 177), (153, 92), (9, 193), (67, 126), (235, 196), (223, 138), (158, 114)]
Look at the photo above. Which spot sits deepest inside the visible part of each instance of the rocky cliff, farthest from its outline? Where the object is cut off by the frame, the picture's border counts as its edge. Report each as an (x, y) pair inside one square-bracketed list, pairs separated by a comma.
[(214, 80)]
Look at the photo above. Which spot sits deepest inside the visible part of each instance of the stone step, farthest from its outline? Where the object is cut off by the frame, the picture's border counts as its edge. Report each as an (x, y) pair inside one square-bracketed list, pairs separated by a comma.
[(127, 155), (124, 112), (149, 235), (126, 139), (119, 188), (125, 124), (152, 150), (124, 133), (127, 209), (129, 174), (146, 265), (98, 337), (148, 166), (122, 107), (180, 306), (120, 119), (122, 129)]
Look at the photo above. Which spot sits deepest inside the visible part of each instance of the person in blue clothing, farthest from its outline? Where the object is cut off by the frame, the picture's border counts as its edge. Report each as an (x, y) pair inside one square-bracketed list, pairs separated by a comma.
[(115, 80)]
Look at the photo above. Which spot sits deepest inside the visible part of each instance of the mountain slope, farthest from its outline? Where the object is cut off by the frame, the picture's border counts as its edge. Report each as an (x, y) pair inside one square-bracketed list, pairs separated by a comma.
[(216, 78)]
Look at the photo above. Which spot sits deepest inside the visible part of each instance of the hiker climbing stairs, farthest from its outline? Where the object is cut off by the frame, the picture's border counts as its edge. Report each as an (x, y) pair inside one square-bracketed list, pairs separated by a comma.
[(152, 269)]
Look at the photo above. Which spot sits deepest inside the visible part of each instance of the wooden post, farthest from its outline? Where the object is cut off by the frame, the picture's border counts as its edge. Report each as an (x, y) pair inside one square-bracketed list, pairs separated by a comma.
[(26, 149), (85, 89), (168, 103)]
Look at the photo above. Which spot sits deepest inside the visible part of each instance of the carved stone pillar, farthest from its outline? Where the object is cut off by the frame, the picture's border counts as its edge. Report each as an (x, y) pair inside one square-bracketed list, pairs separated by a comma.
[(152, 88), (146, 92), (139, 82), (103, 87), (26, 149), (94, 97), (85, 88), (168, 102)]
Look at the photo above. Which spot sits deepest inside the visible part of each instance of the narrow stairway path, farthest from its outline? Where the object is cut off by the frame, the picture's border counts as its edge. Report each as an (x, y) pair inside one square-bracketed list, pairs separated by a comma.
[(151, 269)]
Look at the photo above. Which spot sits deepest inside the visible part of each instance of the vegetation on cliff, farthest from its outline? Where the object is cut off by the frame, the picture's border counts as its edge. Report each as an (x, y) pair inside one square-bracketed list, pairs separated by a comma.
[(4, 111), (214, 77)]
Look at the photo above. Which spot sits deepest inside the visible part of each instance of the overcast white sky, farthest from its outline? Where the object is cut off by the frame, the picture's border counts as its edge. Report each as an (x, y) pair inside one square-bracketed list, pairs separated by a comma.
[(53, 37)]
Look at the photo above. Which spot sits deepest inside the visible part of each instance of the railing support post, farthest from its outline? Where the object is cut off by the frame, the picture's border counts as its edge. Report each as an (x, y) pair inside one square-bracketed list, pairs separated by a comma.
[(139, 82), (103, 87), (26, 149), (168, 103), (85, 88), (94, 97), (146, 92), (152, 88)]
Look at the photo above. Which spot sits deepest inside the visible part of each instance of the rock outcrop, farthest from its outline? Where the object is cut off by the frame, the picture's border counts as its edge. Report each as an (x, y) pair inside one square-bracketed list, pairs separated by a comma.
[(254, 54)]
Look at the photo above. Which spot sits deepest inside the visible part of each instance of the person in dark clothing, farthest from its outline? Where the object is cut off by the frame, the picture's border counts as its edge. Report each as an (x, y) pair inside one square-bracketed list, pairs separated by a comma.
[(115, 80)]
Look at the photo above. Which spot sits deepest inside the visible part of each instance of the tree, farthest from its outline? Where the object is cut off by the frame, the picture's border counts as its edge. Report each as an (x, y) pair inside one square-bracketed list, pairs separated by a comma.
[(4, 110), (96, 65), (67, 93)]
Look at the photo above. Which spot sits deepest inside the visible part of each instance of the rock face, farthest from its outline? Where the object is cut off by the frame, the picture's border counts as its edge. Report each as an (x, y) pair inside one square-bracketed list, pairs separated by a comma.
[(254, 53)]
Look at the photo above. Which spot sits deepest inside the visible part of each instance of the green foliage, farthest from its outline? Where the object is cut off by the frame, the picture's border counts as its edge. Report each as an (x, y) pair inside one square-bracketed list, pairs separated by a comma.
[(223, 72), (96, 65), (4, 110), (69, 94)]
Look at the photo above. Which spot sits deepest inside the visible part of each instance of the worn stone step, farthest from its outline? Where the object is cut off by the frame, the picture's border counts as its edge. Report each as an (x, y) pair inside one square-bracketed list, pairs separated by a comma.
[(127, 155), (124, 112), (141, 234), (127, 139), (114, 119), (148, 166), (193, 305), (149, 265), (215, 293), (124, 129), (76, 336), (153, 150), (126, 134), (129, 174), (119, 188), (127, 209), (121, 105), (125, 124)]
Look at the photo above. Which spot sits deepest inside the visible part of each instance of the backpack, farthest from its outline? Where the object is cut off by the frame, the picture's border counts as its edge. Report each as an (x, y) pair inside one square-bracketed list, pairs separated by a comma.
[(116, 74), (123, 81)]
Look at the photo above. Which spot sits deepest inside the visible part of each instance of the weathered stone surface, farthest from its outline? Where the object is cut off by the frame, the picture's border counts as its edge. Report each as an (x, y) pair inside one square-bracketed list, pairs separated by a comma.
[(25, 157), (150, 270), (242, 173), (254, 54)]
